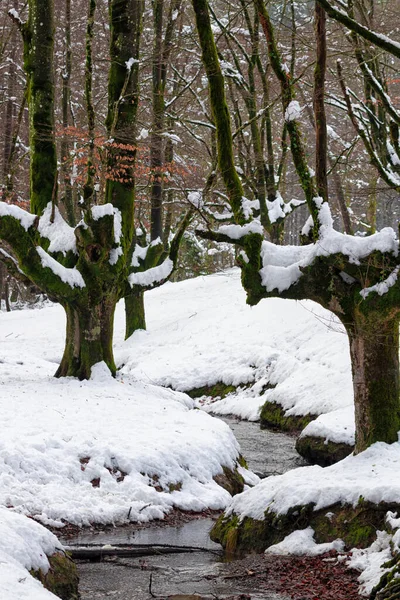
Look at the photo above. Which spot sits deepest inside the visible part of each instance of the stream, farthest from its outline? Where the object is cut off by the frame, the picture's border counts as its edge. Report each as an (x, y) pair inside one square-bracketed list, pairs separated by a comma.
[(185, 571)]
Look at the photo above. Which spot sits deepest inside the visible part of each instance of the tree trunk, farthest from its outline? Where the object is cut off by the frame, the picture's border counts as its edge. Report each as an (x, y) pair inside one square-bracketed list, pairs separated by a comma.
[(38, 35), (134, 313), (374, 351), (89, 336), (68, 200)]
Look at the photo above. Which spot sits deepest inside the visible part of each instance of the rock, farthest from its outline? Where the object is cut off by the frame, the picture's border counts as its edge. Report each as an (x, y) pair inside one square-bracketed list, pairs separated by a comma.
[(62, 577), (318, 452), (273, 416)]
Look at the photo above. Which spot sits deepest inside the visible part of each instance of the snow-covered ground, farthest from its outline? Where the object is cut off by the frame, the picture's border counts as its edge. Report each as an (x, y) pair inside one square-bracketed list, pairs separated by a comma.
[(111, 451), (201, 332)]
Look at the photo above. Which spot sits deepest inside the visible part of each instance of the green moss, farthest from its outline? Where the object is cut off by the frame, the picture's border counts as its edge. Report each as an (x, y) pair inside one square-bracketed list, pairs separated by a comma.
[(62, 578), (388, 587), (242, 461), (273, 416), (317, 452), (135, 317), (175, 487), (356, 526), (218, 390)]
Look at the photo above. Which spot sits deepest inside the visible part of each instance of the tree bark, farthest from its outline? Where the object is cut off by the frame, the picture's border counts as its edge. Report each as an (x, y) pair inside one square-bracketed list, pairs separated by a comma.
[(89, 335), (134, 313), (38, 36), (374, 350), (68, 200)]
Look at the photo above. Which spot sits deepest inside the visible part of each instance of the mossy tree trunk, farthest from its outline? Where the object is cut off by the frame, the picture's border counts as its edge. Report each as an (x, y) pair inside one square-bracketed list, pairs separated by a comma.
[(89, 337), (135, 312), (38, 37), (374, 350), (68, 200), (163, 44)]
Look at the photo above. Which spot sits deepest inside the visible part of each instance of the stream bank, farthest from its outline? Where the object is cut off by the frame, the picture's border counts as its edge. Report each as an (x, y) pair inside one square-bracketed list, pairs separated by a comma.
[(182, 560)]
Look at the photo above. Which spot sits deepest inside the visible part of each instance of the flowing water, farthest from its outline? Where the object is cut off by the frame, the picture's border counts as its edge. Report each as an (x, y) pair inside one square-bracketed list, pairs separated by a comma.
[(180, 560)]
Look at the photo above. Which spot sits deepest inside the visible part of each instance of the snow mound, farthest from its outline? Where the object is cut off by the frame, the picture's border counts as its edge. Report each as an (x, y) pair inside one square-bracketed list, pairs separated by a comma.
[(302, 543), (24, 545), (372, 470)]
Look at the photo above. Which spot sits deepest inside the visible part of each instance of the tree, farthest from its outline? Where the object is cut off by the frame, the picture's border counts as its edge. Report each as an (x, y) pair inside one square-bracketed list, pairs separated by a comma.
[(355, 278), (89, 267)]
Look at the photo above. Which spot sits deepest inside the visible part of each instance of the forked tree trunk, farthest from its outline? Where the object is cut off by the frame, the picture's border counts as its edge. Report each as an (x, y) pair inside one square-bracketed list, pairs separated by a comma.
[(89, 336), (134, 313), (374, 351)]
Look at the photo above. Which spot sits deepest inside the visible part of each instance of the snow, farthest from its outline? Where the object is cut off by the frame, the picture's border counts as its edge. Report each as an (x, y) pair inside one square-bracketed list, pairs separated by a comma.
[(61, 235), (24, 545), (129, 63), (282, 264), (335, 426), (70, 276), (11, 210), (152, 276), (293, 111), (382, 287), (61, 434), (369, 475), (196, 198), (301, 543), (201, 332), (370, 560), (236, 232)]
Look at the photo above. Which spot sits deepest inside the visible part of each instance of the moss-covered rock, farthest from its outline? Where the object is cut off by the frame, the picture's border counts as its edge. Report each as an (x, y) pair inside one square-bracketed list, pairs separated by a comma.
[(356, 526), (319, 452), (273, 416), (218, 390), (62, 577), (230, 480)]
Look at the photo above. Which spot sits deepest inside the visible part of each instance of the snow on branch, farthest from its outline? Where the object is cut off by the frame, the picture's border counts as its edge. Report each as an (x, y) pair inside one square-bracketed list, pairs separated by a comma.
[(382, 287), (380, 40), (11, 210), (283, 265), (53, 227), (152, 277), (71, 277), (236, 232)]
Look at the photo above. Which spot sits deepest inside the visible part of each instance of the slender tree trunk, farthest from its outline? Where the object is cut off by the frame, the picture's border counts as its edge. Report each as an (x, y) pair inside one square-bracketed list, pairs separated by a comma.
[(135, 314), (68, 201), (89, 334), (38, 35), (319, 104), (10, 105), (88, 190), (374, 350), (156, 142)]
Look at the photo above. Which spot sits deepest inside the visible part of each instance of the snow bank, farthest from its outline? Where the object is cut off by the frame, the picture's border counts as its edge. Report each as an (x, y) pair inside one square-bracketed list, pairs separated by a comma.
[(200, 332), (24, 545), (62, 438), (369, 474)]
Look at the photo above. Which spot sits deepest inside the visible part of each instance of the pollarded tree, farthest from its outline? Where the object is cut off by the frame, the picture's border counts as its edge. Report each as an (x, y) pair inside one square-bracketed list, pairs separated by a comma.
[(89, 267), (355, 278)]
